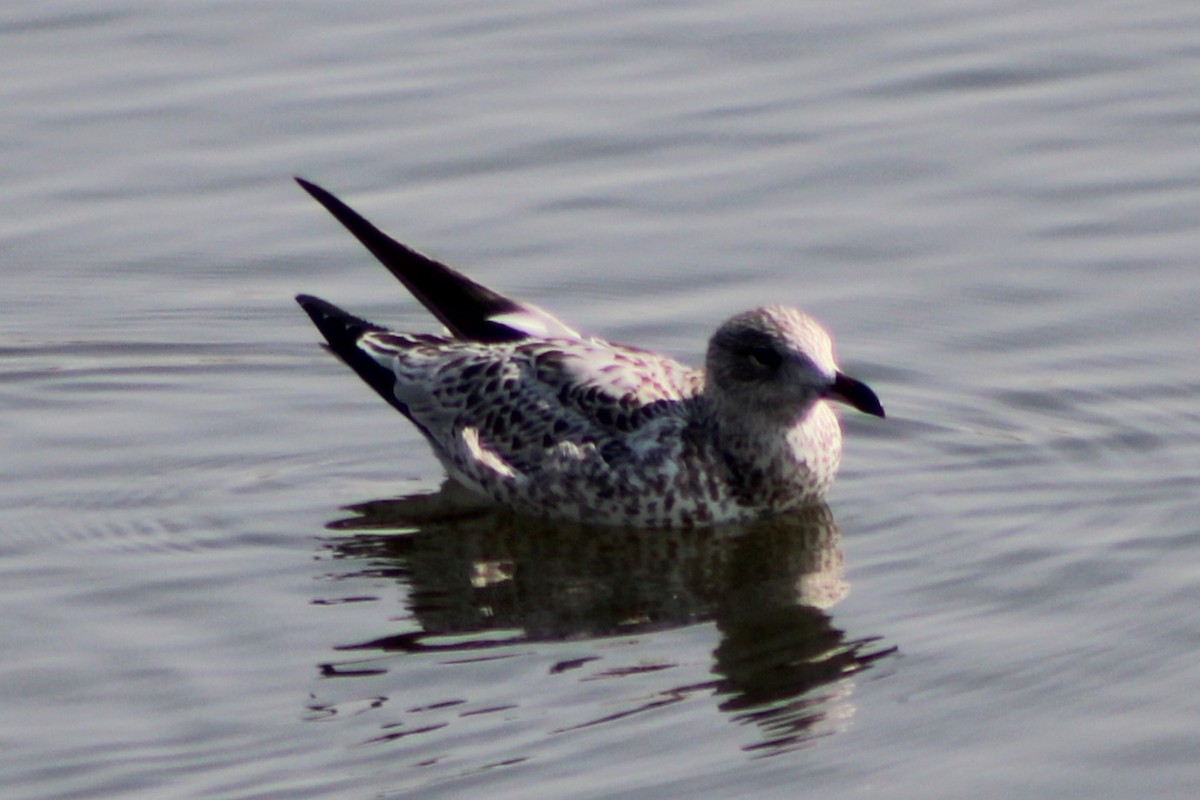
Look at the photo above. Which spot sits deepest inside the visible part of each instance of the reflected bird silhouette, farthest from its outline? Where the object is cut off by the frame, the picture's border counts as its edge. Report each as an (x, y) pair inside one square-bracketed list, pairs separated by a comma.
[(485, 585), (522, 409)]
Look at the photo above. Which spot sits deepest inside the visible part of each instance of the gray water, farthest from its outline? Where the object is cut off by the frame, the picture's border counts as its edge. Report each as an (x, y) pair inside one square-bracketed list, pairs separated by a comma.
[(211, 583)]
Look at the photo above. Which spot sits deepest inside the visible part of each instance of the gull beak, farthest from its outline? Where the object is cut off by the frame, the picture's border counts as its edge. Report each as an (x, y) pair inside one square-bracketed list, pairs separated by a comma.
[(855, 393)]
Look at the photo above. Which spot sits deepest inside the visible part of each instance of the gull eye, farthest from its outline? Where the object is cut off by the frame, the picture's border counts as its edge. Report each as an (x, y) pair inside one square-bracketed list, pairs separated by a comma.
[(765, 357)]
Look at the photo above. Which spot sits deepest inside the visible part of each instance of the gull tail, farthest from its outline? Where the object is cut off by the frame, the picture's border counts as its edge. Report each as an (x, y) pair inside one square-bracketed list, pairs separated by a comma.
[(467, 309)]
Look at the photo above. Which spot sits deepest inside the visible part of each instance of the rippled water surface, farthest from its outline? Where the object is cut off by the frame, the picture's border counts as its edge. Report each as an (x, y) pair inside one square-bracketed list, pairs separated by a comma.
[(223, 570)]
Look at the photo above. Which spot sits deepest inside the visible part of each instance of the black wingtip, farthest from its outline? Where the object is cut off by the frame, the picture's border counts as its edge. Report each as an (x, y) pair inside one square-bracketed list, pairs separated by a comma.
[(342, 330), (333, 321), (322, 196), (462, 305), (327, 199)]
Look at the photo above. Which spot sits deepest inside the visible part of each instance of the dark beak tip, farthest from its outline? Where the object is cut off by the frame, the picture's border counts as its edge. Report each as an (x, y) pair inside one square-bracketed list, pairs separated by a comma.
[(858, 395), (870, 405)]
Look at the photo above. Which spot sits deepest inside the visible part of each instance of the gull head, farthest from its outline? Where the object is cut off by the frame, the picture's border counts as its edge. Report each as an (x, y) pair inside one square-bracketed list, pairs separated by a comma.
[(778, 362)]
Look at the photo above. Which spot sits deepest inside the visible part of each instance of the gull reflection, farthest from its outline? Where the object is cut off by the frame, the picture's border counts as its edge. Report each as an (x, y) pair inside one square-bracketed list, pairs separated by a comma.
[(477, 581)]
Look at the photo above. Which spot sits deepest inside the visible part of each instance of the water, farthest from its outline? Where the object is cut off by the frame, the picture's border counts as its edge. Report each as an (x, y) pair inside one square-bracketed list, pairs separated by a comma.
[(213, 587)]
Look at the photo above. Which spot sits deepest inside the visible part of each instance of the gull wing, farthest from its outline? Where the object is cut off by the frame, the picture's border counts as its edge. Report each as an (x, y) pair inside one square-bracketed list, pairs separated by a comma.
[(470, 311), (344, 331)]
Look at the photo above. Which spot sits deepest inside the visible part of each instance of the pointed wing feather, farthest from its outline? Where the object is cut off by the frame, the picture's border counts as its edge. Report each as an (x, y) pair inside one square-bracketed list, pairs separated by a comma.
[(345, 334), (342, 331), (468, 310)]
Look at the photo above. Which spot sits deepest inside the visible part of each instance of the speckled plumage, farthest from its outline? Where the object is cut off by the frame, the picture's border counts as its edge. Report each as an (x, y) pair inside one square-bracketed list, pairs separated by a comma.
[(523, 409)]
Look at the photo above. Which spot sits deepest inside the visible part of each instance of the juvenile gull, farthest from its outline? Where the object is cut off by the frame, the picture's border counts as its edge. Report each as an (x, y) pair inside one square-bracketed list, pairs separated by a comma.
[(523, 409)]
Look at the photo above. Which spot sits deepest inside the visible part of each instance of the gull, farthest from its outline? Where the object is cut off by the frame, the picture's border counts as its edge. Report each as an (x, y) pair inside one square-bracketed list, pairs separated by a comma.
[(525, 411)]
